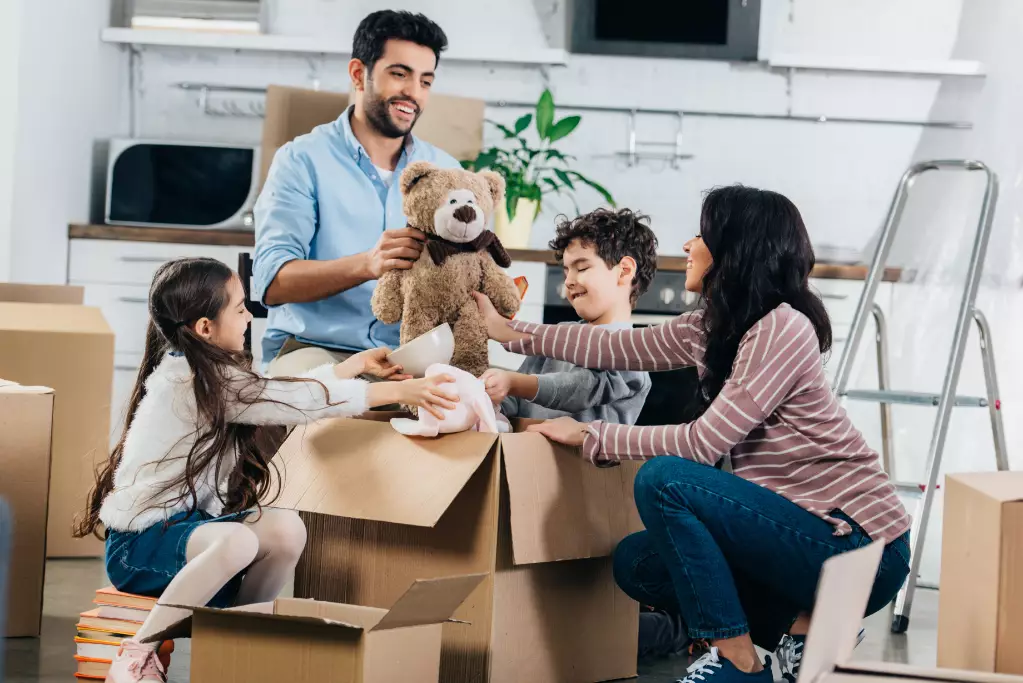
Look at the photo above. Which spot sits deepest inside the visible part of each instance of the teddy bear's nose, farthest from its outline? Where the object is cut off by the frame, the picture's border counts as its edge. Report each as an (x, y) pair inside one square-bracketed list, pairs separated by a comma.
[(465, 214)]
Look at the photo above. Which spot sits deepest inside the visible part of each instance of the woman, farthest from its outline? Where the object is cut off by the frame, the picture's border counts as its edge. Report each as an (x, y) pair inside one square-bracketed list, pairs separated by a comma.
[(737, 555)]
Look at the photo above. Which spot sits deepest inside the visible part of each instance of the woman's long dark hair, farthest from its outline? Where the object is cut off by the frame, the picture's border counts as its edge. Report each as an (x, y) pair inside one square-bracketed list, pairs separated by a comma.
[(761, 258), (183, 292)]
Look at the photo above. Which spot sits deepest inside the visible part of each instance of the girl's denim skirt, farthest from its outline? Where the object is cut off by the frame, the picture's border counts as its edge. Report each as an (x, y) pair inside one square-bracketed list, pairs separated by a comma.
[(144, 562)]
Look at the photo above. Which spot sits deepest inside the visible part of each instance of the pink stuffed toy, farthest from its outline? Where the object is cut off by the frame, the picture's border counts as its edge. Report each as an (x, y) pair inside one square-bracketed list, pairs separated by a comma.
[(474, 410)]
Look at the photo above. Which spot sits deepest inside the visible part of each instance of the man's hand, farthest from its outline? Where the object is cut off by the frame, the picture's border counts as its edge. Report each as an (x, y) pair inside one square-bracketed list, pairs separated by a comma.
[(563, 430), (395, 250)]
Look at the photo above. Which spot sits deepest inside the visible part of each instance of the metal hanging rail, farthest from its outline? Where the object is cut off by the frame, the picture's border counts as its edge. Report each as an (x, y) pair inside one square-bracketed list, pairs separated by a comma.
[(805, 118)]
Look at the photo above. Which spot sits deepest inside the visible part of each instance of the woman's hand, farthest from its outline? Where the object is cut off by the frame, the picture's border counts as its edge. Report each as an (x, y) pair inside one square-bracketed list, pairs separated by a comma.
[(425, 393), (562, 430), (497, 325), (372, 362)]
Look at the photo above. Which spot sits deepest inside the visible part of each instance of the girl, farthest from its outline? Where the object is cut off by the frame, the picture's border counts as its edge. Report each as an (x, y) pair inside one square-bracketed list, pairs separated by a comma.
[(737, 555), (180, 496)]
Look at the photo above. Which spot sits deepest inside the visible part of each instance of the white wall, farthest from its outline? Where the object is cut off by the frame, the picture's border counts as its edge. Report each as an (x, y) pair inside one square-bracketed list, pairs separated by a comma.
[(10, 44), (841, 175), (68, 94)]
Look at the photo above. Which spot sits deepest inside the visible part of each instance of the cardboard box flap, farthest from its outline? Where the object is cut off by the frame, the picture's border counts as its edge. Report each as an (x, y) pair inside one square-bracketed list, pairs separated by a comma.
[(1006, 487), (842, 595), (8, 387), (42, 294), (455, 124), (562, 507), (430, 601), (22, 317), (388, 477), (892, 669), (329, 613)]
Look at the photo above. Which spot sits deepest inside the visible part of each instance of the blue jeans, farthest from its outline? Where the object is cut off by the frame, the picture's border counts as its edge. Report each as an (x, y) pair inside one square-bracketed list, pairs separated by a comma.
[(732, 557)]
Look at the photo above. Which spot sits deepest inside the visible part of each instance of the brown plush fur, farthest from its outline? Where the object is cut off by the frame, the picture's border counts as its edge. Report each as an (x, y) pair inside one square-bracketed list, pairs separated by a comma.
[(427, 295)]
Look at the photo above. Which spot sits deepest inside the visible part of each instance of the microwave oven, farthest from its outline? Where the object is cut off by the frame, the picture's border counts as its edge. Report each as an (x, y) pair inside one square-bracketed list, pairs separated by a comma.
[(160, 183)]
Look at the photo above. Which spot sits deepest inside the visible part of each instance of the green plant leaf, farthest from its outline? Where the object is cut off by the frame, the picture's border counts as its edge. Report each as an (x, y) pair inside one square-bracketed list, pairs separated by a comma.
[(469, 164), (563, 128), (508, 132), (596, 186), (555, 154), (544, 114), (485, 160), (563, 177), (554, 187), (523, 122)]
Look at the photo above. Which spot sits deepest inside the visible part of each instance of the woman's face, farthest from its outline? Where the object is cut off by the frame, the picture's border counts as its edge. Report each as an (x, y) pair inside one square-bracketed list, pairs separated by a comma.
[(699, 262)]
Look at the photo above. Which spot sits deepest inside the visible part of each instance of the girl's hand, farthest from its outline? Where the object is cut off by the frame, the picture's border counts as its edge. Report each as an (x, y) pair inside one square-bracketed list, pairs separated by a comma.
[(496, 324), (562, 430), (427, 394), (372, 362)]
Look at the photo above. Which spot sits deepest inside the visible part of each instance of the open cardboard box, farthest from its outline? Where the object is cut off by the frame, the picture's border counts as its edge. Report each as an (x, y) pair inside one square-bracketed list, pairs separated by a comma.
[(454, 124), (842, 595), (305, 641), (26, 422), (383, 510), (71, 348)]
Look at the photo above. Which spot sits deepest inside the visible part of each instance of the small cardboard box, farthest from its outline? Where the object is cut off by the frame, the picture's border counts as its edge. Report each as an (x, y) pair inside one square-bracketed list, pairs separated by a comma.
[(42, 294), (454, 124), (842, 595), (305, 641), (980, 614), (26, 419), (383, 509), (69, 348)]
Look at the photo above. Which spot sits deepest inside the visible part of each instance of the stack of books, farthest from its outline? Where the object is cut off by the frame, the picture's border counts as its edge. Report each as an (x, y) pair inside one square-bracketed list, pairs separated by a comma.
[(117, 616)]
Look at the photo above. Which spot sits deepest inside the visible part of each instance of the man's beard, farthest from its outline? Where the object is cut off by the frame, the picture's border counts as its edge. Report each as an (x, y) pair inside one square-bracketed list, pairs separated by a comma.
[(378, 113)]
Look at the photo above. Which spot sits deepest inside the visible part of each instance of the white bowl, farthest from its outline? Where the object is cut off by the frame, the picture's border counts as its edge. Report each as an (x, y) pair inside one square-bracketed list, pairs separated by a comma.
[(436, 346)]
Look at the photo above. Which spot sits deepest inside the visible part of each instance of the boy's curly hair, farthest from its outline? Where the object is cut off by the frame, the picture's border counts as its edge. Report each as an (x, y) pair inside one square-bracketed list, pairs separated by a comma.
[(614, 235)]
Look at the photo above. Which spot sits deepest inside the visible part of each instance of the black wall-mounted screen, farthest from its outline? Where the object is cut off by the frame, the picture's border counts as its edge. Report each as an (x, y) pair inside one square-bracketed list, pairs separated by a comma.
[(696, 29)]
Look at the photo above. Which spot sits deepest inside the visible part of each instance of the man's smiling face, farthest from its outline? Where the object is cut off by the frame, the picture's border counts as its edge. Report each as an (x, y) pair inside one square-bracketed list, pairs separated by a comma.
[(398, 87)]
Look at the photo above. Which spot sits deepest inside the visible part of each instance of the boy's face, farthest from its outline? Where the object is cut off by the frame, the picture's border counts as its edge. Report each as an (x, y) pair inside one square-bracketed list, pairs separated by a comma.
[(594, 290)]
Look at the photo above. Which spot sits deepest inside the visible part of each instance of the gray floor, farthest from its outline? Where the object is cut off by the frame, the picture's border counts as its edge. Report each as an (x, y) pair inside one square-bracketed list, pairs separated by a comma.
[(71, 583)]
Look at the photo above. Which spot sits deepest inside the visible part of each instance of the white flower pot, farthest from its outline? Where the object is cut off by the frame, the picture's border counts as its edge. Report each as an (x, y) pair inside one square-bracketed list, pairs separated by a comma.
[(514, 233)]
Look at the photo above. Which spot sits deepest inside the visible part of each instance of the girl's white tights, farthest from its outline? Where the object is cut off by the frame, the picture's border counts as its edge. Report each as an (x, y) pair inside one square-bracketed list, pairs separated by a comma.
[(267, 543)]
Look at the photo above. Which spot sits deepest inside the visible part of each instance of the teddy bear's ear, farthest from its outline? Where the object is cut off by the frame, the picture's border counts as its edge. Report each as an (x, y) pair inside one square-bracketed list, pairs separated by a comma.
[(413, 173), (495, 183)]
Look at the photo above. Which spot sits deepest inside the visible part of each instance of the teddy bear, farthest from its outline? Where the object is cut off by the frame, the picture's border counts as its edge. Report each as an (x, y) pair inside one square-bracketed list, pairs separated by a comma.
[(452, 207)]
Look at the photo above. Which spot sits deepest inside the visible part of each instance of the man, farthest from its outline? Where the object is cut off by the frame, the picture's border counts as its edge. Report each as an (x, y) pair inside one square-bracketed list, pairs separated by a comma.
[(329, 220)]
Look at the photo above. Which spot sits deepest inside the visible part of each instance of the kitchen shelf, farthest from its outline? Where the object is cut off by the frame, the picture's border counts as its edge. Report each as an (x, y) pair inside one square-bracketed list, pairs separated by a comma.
[(878, 65), (209, 40)]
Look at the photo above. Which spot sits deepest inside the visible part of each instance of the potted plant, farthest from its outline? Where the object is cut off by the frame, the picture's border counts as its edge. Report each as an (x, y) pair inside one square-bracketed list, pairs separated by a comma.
[(531, 172)]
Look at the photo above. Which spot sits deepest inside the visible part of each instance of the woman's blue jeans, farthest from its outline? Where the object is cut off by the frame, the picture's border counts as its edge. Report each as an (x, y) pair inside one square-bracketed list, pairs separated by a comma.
[(732, 557)]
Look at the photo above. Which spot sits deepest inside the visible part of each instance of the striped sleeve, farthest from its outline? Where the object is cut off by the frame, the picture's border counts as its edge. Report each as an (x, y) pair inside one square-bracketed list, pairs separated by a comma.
[(772, 357), (674, 344)]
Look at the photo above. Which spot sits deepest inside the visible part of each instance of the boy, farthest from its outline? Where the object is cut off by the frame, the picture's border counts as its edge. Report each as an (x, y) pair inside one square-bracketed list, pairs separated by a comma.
[(609, 258)]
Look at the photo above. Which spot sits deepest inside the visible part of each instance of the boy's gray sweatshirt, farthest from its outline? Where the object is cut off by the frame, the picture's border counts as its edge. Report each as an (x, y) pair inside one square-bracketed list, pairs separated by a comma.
[(615, 396)]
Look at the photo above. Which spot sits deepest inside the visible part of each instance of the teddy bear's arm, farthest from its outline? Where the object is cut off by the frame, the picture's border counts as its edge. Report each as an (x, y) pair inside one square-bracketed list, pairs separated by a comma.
[(500, 288), (387, 299)]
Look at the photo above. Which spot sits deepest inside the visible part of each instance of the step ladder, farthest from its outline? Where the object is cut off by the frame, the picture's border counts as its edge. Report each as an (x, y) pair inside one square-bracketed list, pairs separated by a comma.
[(947, 398)]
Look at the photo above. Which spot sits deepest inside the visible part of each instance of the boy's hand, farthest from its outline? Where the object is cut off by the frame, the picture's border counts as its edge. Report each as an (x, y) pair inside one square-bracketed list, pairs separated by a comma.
[(372, 362), (498, 384)]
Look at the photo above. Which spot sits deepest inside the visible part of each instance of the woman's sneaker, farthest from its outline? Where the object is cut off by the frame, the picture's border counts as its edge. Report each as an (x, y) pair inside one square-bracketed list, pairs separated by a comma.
[(710, 668), (136, 663), (790, 654)]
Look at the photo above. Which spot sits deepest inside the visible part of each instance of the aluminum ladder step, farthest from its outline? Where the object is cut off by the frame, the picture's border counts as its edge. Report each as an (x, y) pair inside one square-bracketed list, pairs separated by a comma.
[(915, 398)]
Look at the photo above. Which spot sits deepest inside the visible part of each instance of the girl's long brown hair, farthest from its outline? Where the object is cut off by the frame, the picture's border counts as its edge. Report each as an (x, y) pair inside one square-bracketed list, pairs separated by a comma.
[(183, 292)]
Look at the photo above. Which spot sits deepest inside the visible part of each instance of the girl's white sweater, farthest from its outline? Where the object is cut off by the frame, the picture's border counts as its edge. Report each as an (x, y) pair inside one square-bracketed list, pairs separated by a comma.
[(166, 426)]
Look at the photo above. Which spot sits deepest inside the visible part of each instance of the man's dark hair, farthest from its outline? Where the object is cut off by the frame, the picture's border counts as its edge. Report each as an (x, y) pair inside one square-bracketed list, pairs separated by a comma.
[(614, 235), (377, 28)]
